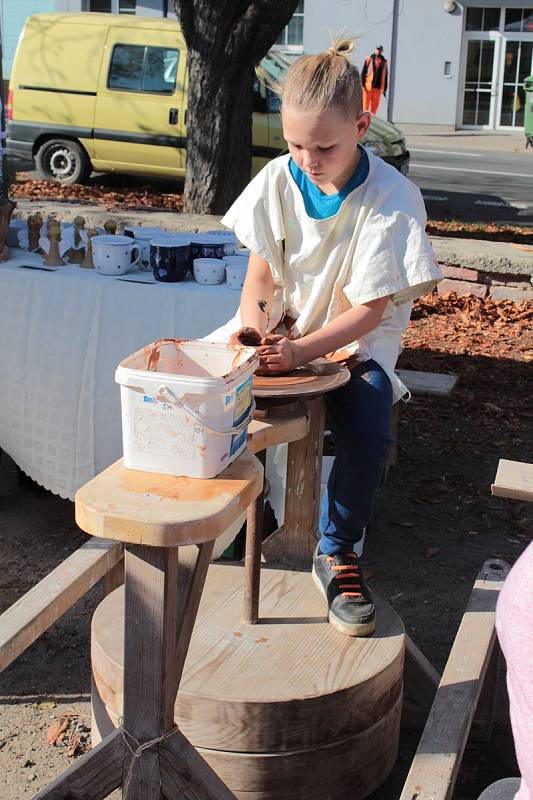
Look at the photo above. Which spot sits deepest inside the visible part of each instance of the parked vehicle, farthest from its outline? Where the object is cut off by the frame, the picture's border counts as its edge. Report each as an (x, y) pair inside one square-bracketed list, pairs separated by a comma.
[(108, 92)]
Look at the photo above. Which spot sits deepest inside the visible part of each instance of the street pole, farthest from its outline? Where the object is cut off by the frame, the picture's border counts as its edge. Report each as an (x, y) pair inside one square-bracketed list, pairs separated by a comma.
[(393, 53)]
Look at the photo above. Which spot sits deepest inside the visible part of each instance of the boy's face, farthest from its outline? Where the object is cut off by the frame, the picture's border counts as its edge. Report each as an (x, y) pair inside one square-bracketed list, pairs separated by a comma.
[(324, 144)]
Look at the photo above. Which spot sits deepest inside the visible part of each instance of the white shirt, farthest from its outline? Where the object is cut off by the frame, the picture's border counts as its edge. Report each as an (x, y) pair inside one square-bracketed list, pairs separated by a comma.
[(374, 246)]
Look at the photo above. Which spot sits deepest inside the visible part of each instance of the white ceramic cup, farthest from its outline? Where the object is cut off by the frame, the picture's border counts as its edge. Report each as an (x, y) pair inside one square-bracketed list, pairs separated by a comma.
[(209, 270), (237, 261), (114, 255), (235, 275)]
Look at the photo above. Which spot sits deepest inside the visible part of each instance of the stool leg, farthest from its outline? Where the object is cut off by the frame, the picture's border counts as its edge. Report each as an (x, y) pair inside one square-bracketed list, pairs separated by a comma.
[(294, 543), (252, 558), (152, 636), (150, 633)]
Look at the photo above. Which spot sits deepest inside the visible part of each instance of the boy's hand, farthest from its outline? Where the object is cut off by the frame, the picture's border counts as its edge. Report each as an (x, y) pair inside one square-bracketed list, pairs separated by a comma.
[(277, 355), (248, 337)]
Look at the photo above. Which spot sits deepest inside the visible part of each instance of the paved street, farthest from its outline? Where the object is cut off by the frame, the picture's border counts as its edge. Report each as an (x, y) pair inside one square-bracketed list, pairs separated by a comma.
[(474, 177)]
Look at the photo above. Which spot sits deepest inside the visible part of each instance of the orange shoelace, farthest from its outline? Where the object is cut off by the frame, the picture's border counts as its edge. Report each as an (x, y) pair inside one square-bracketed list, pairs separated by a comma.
[(347, 571)]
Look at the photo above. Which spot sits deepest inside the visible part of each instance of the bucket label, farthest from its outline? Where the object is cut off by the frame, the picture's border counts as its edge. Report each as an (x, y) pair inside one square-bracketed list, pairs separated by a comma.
[(243, 401), (237, 441)]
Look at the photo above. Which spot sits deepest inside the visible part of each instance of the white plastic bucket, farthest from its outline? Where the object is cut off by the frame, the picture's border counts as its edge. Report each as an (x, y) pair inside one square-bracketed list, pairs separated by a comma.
[(186, 406)]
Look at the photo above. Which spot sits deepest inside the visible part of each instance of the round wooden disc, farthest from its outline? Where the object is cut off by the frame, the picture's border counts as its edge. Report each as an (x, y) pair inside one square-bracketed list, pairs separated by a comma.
[(311, 379), (290, 682)]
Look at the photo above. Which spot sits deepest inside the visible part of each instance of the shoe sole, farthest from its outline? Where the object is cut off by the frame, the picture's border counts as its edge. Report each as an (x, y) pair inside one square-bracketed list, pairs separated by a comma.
[(356, 629)]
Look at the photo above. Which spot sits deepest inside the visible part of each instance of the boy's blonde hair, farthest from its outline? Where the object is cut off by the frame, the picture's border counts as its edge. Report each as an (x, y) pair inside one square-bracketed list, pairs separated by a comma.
[(323, 81)]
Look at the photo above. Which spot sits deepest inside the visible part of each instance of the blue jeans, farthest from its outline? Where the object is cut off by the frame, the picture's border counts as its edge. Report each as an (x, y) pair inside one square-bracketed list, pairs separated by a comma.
[(360, 415)]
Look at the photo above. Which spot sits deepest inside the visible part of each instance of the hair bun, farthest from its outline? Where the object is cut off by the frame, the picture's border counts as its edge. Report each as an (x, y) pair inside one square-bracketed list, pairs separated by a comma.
[(341, 47)]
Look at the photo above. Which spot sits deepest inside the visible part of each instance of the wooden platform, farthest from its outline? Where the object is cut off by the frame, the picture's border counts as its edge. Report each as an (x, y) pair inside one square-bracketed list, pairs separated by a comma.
[(287, 708)]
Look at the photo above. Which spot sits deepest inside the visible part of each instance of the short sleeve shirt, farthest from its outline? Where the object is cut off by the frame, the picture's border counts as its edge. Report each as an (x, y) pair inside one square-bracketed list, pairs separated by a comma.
[(374, 246)]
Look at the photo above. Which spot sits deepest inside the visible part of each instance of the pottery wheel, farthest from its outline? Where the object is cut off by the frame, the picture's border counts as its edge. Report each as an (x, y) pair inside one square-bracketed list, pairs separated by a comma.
[(310, 379)]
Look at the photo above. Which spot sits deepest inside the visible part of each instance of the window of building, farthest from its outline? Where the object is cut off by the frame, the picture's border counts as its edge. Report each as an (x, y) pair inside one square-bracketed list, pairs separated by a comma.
[(482, 19), (519, 20), (135, 68), (113, 6), (292, 36)]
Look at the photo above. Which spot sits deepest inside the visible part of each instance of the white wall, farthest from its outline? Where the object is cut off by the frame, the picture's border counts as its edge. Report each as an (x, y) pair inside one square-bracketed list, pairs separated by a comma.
[(427, 37), (369, 20)]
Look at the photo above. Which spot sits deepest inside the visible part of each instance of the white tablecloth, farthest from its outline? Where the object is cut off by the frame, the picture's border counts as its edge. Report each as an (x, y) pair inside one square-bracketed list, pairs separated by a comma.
[(62, 335)]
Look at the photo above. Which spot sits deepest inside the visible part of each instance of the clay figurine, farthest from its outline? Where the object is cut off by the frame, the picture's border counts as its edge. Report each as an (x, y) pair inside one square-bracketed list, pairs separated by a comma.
[(6, 210), (35, 222), (76, 253), (110, 226), (88, 258), (53, 259)]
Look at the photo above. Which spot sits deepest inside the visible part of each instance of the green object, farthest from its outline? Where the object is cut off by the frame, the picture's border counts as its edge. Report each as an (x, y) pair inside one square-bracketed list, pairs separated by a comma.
[(528, 116)]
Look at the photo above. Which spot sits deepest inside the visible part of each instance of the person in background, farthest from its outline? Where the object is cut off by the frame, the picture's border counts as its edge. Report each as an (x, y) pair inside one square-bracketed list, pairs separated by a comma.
[(375, 79)]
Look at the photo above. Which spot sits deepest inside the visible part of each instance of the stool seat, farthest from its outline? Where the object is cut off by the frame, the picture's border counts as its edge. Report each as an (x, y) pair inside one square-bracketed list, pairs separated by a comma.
[(163, 510)]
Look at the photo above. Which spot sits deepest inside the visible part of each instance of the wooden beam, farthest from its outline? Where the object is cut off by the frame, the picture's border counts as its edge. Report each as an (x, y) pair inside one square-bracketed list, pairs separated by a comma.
[(435, 766), (438, 384), (38, 609), (421, 679), (94, 775), (514, 479)]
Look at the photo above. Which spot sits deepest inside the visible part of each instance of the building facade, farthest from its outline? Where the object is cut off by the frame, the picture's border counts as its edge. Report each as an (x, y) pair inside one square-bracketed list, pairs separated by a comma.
[(455, 64)]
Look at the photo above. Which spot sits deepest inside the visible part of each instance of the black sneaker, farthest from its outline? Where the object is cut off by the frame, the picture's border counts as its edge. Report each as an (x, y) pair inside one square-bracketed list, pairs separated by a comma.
[(350, 603)]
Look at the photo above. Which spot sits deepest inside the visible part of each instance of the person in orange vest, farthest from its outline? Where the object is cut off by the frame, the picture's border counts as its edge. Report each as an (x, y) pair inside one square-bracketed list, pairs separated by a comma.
[(375, 79)]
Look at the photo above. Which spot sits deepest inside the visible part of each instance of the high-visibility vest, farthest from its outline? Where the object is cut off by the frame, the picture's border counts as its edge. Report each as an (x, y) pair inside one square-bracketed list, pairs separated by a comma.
[(374, 73)]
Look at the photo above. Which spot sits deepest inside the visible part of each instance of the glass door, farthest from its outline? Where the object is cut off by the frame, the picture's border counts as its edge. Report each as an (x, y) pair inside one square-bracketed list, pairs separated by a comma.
[(518, 64), (479, 94)]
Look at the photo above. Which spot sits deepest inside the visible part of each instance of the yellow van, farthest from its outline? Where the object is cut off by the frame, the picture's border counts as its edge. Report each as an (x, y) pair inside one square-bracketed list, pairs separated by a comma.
[(108, 93)]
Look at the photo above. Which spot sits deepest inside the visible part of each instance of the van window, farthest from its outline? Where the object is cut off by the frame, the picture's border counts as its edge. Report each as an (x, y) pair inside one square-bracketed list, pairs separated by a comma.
[(139, 68)]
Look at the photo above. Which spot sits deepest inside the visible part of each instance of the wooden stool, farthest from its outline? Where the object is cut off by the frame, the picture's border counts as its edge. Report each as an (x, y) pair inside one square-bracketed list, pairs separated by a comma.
[(154, 515)]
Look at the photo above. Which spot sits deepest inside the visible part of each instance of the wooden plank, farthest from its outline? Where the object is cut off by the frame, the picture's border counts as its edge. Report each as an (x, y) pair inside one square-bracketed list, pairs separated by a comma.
[(263, 433), (438, 757), (164, 510), (38, 609), (185, 774), (114, 578), (483, 721), (438, 384), (421, 679), (94, 775), (514, 479)]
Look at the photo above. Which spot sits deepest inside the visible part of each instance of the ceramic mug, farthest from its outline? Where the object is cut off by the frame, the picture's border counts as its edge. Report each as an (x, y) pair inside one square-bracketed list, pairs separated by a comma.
[(114, 255), (170, 259), (227, 237), (209, 270), (207, 246), (235, 275), (142, 237)]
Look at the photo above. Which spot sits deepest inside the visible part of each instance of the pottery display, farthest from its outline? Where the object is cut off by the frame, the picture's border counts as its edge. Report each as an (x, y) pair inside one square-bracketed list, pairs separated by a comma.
[(206, 246)]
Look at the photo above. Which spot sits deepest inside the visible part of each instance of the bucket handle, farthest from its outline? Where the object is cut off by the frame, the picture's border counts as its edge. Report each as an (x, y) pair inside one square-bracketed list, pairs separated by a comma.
[(168, 396)]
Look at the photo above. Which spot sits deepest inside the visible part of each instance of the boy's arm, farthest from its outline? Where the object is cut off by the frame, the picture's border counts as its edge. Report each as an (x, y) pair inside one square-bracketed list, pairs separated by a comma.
[(257, 296), (358, 321)]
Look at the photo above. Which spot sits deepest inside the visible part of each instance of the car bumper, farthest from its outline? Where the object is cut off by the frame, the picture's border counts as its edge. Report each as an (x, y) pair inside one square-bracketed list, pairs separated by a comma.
[(16, 147), (401, 162)]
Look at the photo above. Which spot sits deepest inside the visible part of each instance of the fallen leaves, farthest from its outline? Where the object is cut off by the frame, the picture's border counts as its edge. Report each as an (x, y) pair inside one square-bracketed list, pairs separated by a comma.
[(69, 731), (140, 198), (431, 552), (480, 230), (56, 731)]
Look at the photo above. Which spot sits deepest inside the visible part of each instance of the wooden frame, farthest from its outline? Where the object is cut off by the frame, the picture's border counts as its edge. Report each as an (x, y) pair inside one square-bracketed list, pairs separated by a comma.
[(473, 656)]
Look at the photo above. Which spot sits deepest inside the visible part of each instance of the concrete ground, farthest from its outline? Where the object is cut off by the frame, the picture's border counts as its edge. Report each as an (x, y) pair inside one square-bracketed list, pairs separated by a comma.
[(441, 135)]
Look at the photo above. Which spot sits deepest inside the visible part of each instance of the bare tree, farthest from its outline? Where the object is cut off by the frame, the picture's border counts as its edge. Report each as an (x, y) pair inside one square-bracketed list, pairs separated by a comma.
[(225, 39)]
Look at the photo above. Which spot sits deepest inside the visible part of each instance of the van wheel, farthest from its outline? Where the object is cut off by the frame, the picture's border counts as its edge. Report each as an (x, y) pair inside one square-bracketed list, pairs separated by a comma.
[(64, 161)]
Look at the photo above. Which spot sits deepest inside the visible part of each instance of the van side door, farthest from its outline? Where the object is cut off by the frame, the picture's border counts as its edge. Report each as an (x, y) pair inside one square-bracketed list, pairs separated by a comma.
[(139, 125)]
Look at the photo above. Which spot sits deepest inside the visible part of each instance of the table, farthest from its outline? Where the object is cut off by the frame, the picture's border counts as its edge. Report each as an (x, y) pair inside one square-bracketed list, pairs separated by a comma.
[(62, 336)]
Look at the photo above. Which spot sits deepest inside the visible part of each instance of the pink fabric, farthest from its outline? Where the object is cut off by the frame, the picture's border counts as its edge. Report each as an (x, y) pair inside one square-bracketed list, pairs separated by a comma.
[(514, 623)]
